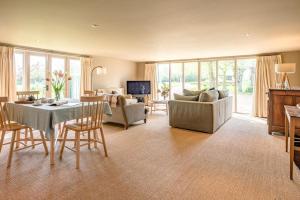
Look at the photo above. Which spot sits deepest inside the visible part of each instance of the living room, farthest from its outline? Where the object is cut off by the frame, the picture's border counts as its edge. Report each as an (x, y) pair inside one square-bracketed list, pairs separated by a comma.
[(142, 99)]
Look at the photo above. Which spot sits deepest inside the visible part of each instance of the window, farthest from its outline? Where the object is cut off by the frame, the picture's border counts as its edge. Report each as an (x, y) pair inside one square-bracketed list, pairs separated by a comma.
[(226, 76), (191, 75), (207, 75), (37, 74), (176, 79), (163, 77), (57, 64), (75, 73), (19, 65), (32, 69), (236, 75)]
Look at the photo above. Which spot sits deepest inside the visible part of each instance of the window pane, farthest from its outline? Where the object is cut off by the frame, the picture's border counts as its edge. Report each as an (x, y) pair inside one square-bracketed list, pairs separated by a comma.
[(75, 72), (226, 79), (57, 64), (191, 75), (162, 78), (208, 74), (176, 79), (245, 84), (19, 66), (37, 74)]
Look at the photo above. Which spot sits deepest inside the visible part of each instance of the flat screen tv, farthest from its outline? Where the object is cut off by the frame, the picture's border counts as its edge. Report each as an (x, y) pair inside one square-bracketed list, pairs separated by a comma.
[(138, 87)]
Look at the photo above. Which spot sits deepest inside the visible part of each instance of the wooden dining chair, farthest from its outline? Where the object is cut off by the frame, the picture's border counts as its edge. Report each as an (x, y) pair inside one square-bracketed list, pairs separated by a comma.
[(23, 95), (90, 120), (8, 126)]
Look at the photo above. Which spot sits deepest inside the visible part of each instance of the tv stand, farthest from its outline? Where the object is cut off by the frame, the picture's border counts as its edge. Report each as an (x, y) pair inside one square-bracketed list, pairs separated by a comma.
[(141, 98)]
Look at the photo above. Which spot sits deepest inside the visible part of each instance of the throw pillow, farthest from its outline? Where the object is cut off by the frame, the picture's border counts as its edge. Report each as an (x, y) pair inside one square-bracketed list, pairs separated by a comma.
[(209, 96), (185, 98), (192, 92), (223, 93)]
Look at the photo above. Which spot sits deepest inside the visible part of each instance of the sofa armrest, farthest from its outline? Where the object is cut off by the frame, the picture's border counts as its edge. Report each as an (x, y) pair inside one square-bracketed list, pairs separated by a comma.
[(134, 112)]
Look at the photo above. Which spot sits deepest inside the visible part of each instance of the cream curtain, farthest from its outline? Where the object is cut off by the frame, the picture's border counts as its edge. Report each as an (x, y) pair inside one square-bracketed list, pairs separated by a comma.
[(150, 74), (85, 81), (265, 79), (7, 73)]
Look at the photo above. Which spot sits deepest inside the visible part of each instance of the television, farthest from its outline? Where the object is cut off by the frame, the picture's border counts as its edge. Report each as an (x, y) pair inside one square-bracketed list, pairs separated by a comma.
[(138, 87)]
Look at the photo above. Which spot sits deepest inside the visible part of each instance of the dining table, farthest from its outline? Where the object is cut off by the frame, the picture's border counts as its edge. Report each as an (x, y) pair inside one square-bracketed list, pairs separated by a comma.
[(46, 116)]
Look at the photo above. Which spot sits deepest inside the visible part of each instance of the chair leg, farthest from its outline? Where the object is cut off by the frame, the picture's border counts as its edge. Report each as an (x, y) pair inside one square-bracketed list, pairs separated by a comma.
[(18, 139), (2, 140), (77, 136), (95, 138), (103, 141), (63, 143), (13, 137), (44, 142), (26, 136), (89, 139), (31, 137), (61, 131)]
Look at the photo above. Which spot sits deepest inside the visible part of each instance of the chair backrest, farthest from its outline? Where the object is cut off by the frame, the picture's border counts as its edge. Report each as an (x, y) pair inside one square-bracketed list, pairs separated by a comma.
[(4, 119), (89, 93), (91, 110), (25, 94)]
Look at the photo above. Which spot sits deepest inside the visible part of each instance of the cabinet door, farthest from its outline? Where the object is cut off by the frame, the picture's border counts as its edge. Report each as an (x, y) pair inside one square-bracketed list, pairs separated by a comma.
[(278, 108)]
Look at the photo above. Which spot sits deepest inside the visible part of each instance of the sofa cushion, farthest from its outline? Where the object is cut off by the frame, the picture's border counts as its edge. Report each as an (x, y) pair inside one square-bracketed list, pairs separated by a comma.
[(209, 96), (185, 98), (187, 92), (223, 93)]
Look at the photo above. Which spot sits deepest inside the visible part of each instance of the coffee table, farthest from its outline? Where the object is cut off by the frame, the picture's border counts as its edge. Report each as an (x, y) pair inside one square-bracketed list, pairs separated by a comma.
[(155, 103)]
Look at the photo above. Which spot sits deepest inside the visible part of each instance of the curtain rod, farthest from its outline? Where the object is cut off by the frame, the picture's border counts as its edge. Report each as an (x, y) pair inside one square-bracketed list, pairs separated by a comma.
[(43, 50), (215, 58)]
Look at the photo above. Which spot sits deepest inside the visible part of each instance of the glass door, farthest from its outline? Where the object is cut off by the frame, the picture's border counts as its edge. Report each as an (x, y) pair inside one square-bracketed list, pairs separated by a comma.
[(245, 84)]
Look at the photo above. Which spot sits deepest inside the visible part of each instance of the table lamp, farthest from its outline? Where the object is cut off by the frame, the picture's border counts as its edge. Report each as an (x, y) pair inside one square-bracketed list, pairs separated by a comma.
[(285, 69)]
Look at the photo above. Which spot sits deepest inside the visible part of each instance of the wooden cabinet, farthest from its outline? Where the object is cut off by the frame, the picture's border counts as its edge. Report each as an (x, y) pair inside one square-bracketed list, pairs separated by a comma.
[(277, 99)]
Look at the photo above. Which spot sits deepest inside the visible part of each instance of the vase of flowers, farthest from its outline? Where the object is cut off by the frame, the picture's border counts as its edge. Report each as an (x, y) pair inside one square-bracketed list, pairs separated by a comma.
[(165, 91), (58, 81)]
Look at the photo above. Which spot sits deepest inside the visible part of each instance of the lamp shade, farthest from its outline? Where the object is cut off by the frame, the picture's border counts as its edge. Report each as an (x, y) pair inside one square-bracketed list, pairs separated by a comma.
[(285, 68)]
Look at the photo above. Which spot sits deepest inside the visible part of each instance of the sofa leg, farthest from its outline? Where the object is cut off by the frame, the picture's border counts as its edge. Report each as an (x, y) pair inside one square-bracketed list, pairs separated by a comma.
[(125, 127), (145, 121)]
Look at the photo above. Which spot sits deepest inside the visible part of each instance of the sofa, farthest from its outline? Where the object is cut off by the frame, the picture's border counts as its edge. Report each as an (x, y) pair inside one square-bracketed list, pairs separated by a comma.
[(126, 113), (200, 116)]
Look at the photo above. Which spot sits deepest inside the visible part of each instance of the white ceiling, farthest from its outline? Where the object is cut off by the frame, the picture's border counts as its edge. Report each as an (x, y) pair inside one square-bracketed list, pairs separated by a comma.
[(149, 30)]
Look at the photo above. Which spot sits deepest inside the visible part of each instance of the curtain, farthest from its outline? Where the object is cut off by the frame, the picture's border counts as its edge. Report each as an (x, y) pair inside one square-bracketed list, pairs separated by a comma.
[(85, 81), (265, 79), (150, 74), (7, 73)]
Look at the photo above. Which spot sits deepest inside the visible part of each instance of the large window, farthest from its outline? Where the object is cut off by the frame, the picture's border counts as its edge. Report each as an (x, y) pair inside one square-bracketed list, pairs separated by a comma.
[(176, 78), (19, 65), (208, 74), (32, 69), (235, 75), (75, 73), (191, 75), (37, 74)]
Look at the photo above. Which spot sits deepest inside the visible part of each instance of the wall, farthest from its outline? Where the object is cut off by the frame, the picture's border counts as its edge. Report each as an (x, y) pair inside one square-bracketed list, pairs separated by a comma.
[(140, 70), (118, 72), (293, 57)]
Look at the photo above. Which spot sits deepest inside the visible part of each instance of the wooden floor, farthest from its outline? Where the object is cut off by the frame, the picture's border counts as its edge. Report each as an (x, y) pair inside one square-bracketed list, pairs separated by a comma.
[(154, 161)]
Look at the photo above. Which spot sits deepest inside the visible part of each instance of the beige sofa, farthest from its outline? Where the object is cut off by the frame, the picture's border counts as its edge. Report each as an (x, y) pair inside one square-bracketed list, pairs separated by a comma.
[(200, 116), (126, 114)]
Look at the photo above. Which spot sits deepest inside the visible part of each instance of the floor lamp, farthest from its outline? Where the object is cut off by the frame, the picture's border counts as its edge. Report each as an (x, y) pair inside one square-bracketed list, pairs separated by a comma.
[(100, 70), (285, 69)]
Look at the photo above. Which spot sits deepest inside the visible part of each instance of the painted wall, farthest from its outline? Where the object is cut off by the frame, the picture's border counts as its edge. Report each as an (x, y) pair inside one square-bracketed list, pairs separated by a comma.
[(118, 72), (293, 57)]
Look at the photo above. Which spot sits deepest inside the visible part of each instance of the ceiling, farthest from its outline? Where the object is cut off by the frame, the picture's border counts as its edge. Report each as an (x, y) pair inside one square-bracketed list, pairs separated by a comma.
[(153, 30)]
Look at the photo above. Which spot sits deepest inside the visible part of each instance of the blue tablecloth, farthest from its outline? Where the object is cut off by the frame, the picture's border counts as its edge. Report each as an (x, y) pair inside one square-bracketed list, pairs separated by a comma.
[(45, 117)]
